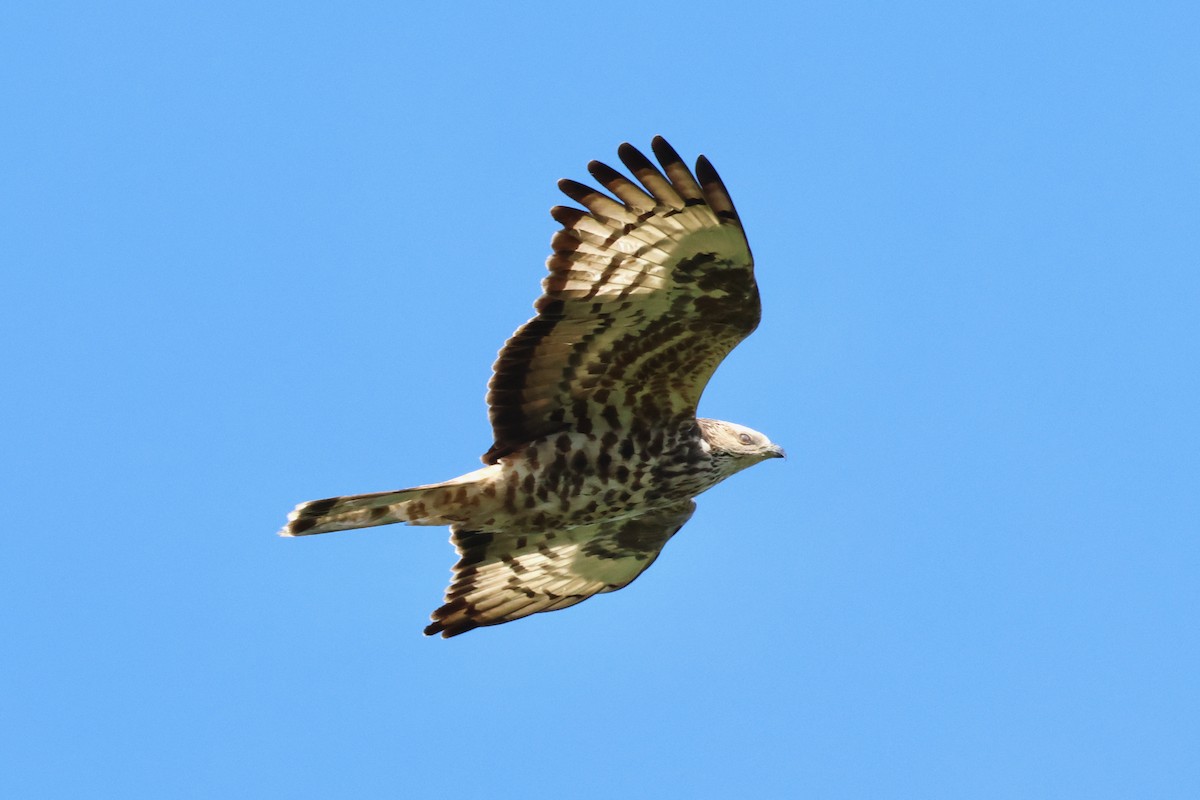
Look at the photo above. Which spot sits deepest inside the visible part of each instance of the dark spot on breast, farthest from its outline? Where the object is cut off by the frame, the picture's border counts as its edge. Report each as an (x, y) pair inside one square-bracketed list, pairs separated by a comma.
[(580, 411)]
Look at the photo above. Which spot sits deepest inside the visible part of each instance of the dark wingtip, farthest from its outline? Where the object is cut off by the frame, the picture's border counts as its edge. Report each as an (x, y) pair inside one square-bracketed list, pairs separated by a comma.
[(715, 191), (575, 190), (603, 172), (706, 172), (635, 159), (664, 152), (449, 631), (449, 622), (566, 215)]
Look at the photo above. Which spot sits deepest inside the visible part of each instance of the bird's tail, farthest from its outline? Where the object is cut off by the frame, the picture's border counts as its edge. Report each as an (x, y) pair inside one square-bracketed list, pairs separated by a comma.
[(435, 504)]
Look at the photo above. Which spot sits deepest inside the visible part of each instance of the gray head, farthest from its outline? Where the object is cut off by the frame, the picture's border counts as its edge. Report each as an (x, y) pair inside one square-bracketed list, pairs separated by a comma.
[(734, 447)]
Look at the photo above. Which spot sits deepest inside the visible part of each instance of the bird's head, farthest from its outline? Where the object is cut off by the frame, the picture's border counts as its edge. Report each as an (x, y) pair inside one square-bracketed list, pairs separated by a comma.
[(736, 447)]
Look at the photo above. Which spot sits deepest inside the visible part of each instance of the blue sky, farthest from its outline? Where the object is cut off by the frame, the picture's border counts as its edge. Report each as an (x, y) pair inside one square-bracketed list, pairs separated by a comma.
[(262, 253)]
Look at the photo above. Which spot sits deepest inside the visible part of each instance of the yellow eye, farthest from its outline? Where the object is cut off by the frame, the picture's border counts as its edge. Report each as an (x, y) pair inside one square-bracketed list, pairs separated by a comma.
[(745, 438)]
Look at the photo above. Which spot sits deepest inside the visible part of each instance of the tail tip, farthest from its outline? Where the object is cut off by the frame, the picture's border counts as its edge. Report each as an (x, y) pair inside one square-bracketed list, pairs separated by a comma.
[(299, 521)]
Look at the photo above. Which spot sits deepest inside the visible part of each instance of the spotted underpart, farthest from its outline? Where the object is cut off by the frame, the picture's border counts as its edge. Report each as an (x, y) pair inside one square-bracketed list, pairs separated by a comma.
[(597, 449)]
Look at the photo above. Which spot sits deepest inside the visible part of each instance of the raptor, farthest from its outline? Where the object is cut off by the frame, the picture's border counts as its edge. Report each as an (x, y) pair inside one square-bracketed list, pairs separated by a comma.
[(598, 451)]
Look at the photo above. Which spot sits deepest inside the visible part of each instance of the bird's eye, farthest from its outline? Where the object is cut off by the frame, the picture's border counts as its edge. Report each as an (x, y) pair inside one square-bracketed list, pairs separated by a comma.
[(745, 438)]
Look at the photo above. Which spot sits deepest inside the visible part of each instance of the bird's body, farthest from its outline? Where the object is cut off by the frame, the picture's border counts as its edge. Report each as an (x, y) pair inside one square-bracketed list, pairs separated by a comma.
[(555, 482), (598, 451)]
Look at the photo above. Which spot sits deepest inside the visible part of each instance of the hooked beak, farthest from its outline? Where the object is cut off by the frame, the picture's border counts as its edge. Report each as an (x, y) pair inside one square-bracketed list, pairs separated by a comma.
[(777, 452)]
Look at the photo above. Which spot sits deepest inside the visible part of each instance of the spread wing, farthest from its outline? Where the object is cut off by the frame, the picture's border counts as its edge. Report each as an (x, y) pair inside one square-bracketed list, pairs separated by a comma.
[(647, 293), (505, 576)]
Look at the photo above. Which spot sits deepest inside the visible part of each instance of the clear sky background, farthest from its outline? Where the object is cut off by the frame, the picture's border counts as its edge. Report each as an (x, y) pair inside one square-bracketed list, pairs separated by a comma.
[(255, 254)]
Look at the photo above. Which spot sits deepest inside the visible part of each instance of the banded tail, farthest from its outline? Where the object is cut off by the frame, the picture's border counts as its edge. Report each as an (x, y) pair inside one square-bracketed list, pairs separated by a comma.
[(434, 504)]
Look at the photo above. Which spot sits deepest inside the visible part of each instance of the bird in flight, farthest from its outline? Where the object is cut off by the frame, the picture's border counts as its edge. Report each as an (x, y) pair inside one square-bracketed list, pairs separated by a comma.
[(598, 452)]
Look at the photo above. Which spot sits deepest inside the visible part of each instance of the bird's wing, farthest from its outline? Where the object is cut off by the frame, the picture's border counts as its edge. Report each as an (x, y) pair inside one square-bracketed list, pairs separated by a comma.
[(647, 293), (503, 576)]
